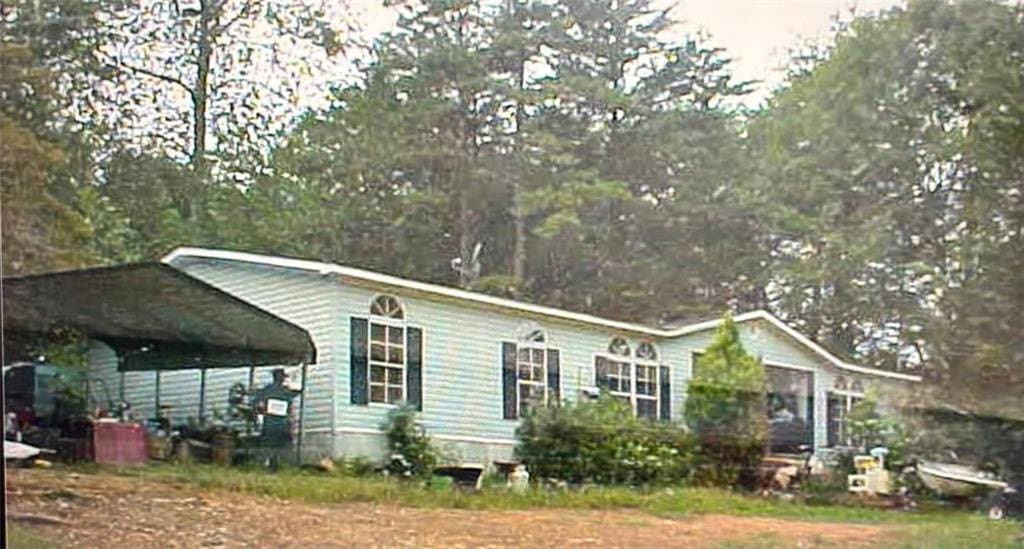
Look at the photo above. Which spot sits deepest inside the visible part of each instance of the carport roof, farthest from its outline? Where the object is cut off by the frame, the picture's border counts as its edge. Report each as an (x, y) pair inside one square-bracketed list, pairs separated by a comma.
[(155, 317)]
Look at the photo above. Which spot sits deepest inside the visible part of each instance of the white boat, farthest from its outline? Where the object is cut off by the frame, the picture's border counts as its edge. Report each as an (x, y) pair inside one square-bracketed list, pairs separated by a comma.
[(18, 451), (956, 480)]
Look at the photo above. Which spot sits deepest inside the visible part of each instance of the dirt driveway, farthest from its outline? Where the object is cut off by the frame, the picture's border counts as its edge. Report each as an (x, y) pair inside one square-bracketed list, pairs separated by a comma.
[(103, 510)]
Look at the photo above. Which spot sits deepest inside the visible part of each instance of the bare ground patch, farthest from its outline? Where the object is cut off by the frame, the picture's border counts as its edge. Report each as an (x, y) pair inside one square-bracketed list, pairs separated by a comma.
[(104, 510)]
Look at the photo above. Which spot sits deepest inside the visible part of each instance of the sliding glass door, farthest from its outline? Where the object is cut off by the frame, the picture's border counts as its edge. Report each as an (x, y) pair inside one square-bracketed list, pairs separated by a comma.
[(790, 404)]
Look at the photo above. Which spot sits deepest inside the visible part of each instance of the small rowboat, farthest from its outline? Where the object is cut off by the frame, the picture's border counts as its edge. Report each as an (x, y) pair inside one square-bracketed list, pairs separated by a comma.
[(957, 480), (19, 452)]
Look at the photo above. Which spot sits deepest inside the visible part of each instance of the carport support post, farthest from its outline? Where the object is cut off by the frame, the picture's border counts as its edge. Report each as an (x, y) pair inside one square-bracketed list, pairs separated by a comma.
[(156, 412), (120, 381), (302, 416), (202, 394)]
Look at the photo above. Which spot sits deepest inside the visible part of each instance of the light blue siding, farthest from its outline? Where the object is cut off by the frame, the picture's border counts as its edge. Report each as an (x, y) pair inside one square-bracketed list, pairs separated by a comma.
[(138, 386), (296, 297), (462, 381), (462, 391), (180, 390), (462, 376), (302, 299), (773, 347)]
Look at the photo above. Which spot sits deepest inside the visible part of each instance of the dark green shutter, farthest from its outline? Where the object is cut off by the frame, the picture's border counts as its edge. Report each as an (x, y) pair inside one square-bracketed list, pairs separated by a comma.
[(508, 380), (600, 373), (809, 435), (834, 407), (554, 378), (414, 368), (358, 375), (665, 404)]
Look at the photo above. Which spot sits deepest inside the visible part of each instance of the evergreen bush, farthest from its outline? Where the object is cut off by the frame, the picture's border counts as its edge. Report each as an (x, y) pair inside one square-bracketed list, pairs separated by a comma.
[(725, 408), (411, 453)]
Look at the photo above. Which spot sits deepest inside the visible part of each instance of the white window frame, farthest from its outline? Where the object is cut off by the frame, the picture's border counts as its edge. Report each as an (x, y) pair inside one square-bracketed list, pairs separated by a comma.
[(656, 397), (622, 362), (795, 368), (529, 348), (387, 323), (850, 398), (632, 366)]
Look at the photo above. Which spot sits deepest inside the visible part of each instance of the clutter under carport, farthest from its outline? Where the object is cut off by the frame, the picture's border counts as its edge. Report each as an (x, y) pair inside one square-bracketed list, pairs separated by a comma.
[(155, 318)]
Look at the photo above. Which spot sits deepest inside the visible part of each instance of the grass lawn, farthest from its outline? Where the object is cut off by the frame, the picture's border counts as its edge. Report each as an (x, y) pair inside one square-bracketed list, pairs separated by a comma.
[(957, 533), (943, 528), (18, 537)]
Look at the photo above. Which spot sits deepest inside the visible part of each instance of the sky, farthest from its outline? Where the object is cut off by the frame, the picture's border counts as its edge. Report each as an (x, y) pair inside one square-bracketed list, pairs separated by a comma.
[(757, 34)]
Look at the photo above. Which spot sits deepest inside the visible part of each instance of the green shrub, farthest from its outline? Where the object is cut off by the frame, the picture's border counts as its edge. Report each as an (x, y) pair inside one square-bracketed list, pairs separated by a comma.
[(827, 489), (411, 453), (356, 467), (602, 442), (725, 407), (871, 429)]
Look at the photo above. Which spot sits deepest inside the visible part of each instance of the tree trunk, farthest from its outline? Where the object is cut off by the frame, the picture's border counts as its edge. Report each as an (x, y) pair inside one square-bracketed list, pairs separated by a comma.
[(200, 96), (519, 252), (465, 242), (519, 248)]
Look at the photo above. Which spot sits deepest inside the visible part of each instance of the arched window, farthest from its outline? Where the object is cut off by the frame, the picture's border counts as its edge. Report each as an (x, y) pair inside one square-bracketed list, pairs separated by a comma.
[(645, 398), (619, 346), (531, 333), (388, 358), (533, 374), (646, 351), (633, 379), (387, 306), (840, 384)]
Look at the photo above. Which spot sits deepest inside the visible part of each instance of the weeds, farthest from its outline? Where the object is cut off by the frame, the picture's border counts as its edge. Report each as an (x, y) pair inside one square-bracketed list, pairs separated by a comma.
[(320, 488)]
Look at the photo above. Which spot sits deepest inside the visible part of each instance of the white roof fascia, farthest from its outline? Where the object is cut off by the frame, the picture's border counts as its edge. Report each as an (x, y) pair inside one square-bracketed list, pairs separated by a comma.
[(455, 293), (801, 338), (389, 280)]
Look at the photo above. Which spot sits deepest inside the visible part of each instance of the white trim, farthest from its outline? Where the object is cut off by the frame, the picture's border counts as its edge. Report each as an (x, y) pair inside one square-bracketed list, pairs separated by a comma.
[(452, 438), (764, 361), (788, 366), (386, 363), (883, 373), (394, 281), (632, 363), (528, 328), (818, 349), (401, 307), (542, 383), (480, 440), (546, 348), (802, 339), (844, 438), (348, 430)]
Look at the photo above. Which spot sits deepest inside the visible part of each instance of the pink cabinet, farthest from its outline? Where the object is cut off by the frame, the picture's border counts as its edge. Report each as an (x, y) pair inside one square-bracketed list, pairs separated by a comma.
[(119, 443)]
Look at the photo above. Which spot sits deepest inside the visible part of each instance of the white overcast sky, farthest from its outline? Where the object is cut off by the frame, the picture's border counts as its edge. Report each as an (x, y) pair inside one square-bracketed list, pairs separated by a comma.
[(757, 34)]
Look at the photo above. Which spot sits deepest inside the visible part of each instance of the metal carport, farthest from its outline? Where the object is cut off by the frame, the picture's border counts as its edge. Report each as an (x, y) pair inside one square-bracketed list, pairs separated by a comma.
[(156, 318)]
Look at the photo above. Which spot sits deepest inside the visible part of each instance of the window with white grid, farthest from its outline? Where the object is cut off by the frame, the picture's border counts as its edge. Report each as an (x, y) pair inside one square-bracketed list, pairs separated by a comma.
[(387, 351), (531, 373), (631, 378)]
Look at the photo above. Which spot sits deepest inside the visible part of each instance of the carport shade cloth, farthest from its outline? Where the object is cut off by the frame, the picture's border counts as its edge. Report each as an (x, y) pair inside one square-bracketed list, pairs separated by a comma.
[(155, 317)]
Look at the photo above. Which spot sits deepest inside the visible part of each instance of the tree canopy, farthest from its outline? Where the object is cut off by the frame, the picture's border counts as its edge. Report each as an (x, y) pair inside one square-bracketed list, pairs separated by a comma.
[(572, 153)]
